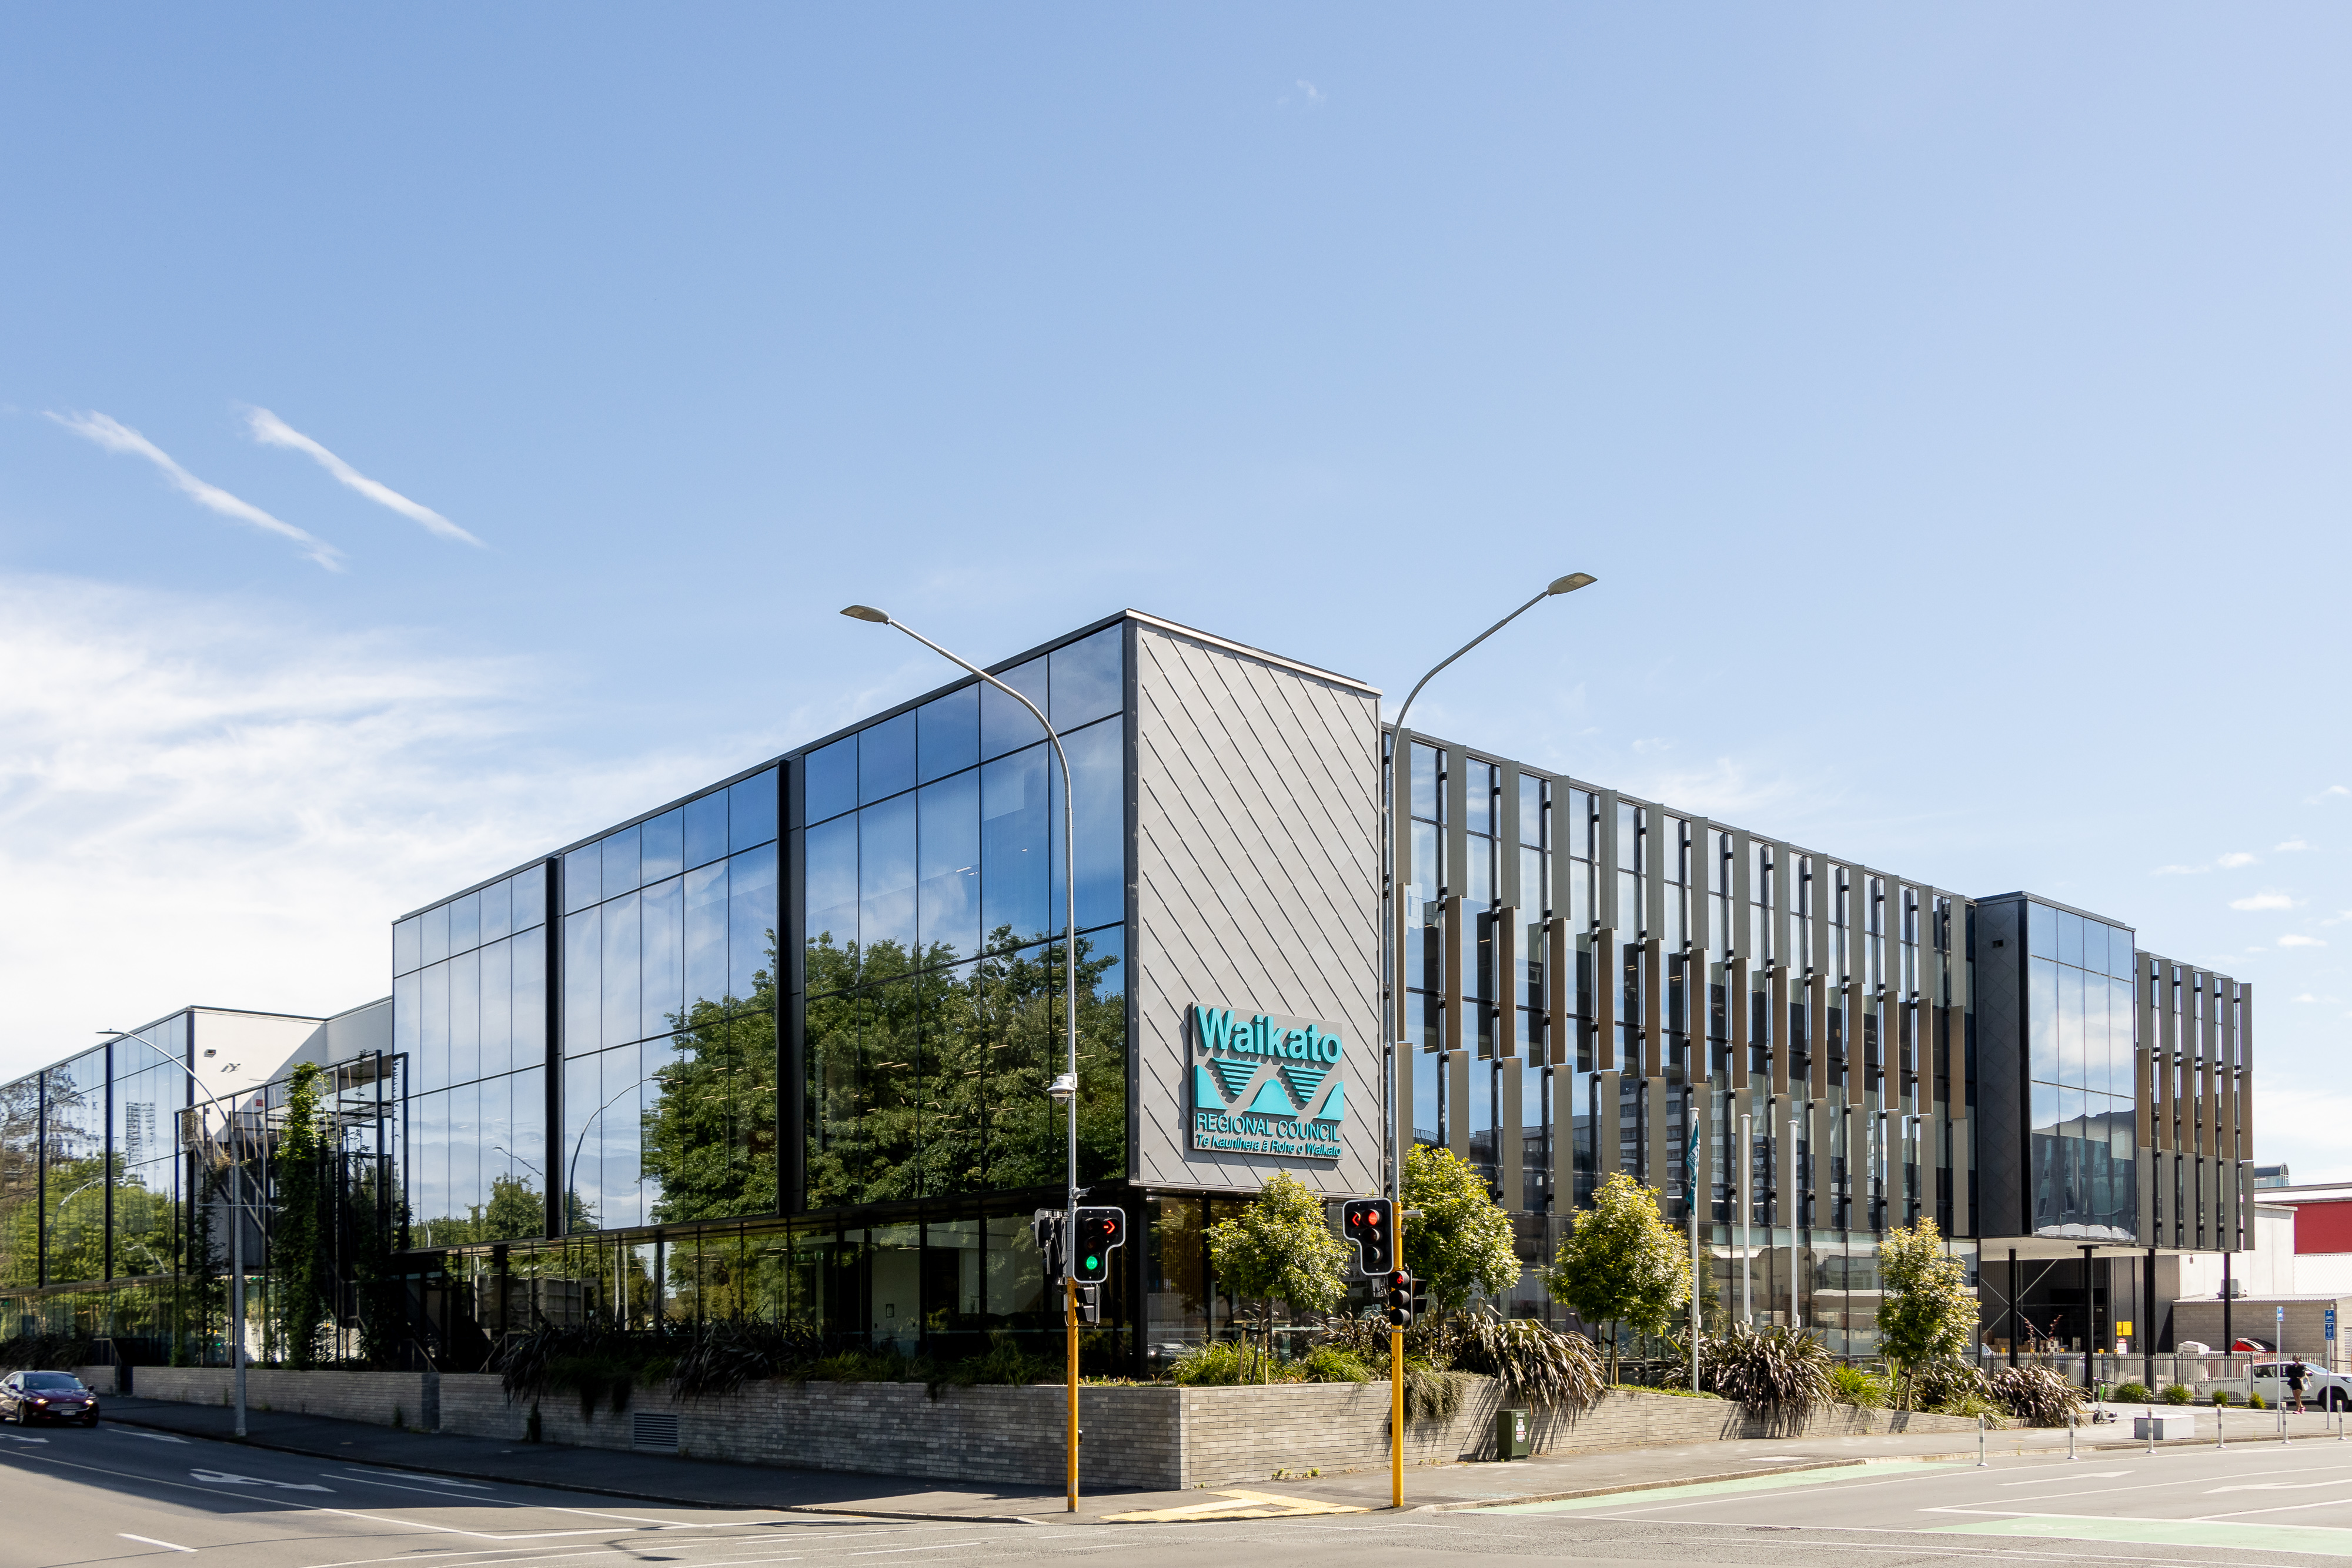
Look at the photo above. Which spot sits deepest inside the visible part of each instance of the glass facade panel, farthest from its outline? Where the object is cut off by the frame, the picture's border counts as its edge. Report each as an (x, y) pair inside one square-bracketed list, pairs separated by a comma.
[(947, 869), (530, 886), (1004, 724), (619, 862), (751, 811), (886, 758), (1089, 679), (705, 820), (886, 884), (1015, 878), (408, 945), (705, 916), (829, 779), (947, 734)]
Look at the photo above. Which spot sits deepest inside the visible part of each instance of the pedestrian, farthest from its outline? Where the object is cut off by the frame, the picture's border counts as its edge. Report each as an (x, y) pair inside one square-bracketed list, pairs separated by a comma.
[(2296, 1373)]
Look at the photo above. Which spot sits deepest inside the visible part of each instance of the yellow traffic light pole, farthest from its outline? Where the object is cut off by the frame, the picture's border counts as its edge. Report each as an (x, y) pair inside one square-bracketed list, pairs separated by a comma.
[(1396, 1385)]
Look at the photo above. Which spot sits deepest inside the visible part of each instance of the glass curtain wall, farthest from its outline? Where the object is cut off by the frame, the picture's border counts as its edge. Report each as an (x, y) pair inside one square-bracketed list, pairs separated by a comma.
[(669, 1016), (933, 887), (150, 1088), (20, 1186), (470, 1018), (2081, 1022), (73, 1199), (1524, 992)]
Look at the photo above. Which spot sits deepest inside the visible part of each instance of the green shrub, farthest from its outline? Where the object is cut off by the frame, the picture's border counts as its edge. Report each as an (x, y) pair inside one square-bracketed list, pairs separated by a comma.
[(2256, 1402), (2178, 1393), (2130, 1394), (1330, 1364), (1432, 1395), (2221, 1399), (1219, 1364), (1779, 1372), (1683, 1393), (1852, 1385), (2036, 1395), (1537, 1364)]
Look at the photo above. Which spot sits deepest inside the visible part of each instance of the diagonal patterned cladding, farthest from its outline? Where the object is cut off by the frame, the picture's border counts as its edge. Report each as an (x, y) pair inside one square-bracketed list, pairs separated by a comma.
[(1258, 866)]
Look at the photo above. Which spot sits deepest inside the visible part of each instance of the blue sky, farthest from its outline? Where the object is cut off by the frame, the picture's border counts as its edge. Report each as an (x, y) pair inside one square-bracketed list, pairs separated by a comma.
[(1951, 401)]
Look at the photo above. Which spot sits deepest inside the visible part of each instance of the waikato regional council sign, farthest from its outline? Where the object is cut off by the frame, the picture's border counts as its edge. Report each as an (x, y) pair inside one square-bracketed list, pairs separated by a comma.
[(1262, 1086)]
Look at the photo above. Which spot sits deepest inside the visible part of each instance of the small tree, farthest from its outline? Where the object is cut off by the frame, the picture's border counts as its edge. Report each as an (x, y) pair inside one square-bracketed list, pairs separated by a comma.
[(1925, 1312), (1622, 1263), (1280, 1245), (1459, 1240), (303, 1282)]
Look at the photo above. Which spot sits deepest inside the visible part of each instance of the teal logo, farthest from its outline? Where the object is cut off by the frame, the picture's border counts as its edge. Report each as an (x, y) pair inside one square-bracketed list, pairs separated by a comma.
[(1260, 1087)]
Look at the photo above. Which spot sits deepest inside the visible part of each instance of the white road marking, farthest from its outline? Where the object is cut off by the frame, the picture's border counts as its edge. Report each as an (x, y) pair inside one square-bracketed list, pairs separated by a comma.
[(223, 1477), (135, 1432), (151, 1541), (2069, 1476), (937, 1546), (13, 1438), (436, 1480)]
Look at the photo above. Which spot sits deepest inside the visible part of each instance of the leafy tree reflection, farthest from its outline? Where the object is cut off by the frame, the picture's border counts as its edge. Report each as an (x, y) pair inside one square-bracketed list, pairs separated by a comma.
[(928, 1077)]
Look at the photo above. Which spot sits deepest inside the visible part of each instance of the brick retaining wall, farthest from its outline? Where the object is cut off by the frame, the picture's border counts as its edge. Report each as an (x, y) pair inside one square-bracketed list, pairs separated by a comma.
[(379, 1398), (1158, 1437)]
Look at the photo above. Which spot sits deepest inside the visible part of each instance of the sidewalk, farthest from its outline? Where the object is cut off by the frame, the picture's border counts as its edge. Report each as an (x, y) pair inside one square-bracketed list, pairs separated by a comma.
[(702, 1483)]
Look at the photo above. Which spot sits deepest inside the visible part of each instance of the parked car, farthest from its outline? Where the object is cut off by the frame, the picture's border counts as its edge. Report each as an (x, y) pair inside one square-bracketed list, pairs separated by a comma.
[(29, 1396), (2322, 1389)]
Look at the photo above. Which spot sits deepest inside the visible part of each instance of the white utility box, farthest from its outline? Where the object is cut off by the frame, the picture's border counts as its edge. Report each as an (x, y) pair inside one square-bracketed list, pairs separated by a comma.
[(2164, 1427)]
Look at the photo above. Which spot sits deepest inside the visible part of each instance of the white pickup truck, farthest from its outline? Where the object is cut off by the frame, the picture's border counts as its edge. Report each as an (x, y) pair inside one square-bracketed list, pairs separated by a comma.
[(2322, 1390)]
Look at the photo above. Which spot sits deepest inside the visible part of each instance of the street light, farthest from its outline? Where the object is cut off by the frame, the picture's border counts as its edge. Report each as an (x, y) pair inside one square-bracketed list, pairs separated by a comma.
[(1400, 757), (1065, 1087), (235, 1228)]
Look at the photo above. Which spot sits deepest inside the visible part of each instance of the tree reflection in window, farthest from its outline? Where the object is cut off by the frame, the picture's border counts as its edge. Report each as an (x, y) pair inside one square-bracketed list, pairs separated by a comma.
[(933, 1083)]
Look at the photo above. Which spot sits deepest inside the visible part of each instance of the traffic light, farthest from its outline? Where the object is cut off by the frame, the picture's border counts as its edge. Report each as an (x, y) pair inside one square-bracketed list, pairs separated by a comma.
[(1371, 1224), (1399, 1299), (1090, 1304), (1046, 1225), (1099, 1230)]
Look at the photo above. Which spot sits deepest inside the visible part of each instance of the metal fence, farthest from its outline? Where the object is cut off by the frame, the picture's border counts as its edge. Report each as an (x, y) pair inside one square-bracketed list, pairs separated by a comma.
[(2199, 1373)]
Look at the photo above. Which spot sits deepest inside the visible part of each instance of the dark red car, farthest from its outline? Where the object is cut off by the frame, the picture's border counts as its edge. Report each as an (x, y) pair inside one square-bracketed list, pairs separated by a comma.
[(29, 1396)]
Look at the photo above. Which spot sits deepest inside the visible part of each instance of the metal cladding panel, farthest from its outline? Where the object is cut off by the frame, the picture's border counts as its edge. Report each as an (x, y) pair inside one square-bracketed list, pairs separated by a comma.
[(1256, 866), (2001, 1109)]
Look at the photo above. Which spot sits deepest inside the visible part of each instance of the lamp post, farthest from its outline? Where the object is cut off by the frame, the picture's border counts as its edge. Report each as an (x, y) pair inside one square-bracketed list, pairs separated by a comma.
[(1400, 757), (238, 1206), (1065, 1087)]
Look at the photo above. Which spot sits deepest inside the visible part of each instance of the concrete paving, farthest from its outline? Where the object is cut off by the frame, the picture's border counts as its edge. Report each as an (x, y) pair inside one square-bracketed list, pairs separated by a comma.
[(671, 1479)]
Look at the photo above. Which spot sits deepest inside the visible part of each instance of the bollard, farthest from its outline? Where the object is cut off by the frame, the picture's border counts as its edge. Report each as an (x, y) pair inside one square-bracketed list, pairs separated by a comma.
[(2070, 1437), (2151, 1428), (1980, 1444), (2218, 1440)]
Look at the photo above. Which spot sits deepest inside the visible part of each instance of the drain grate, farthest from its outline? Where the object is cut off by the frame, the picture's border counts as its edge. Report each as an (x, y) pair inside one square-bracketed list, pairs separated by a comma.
[(648, 1430)]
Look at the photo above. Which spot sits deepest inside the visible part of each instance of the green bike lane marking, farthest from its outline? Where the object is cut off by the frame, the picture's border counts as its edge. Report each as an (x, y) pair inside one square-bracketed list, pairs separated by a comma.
[(1653, 1497), (2311, 1540)]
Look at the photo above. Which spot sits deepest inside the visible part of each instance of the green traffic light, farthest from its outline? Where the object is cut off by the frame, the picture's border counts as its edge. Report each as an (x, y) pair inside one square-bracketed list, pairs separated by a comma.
[(1094, 1263)]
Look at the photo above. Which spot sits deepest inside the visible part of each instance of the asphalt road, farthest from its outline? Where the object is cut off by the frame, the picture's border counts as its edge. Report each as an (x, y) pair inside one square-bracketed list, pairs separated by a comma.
[(118, 1495)]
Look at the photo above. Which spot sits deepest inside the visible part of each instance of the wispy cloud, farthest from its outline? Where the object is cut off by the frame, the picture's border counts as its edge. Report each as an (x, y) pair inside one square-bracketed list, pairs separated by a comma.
[(2331, 792), (2231, 861), (2290, 845), (116, 437), (2263, 900), (246, 801), (271, 431), (2291, 940)]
